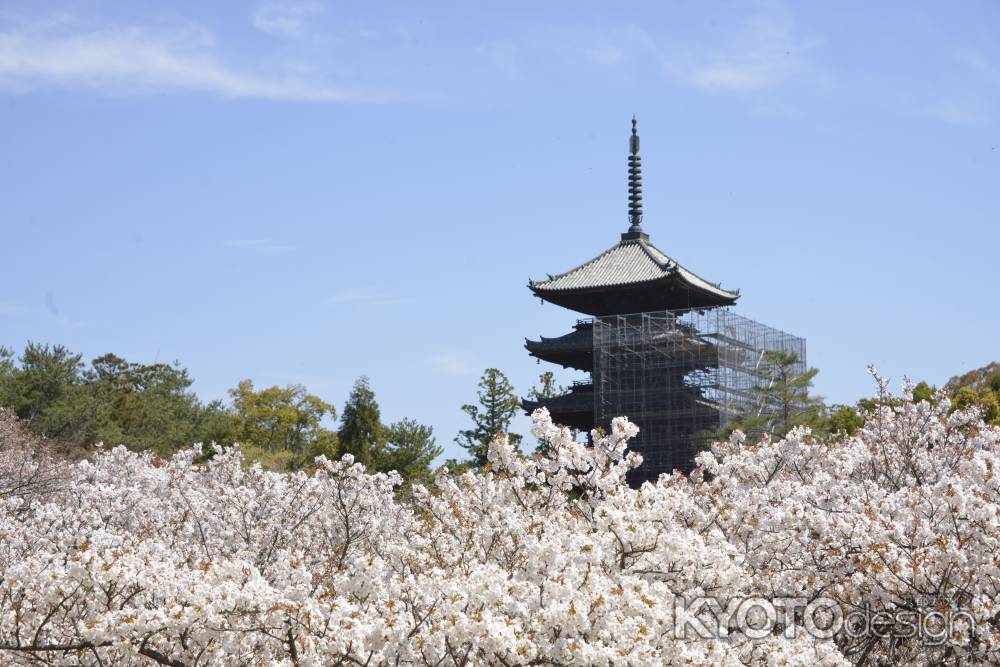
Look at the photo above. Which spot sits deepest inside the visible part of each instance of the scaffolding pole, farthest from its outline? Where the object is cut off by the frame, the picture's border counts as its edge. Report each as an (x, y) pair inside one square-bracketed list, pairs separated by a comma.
[(683, 376)]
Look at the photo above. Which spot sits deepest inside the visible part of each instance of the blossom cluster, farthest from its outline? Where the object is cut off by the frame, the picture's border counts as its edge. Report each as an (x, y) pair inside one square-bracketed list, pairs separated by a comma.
[(898, 522), (549, 560)]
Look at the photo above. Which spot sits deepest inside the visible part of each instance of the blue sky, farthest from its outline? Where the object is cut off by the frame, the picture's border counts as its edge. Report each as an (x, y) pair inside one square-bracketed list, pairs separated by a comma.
[(305, 191)]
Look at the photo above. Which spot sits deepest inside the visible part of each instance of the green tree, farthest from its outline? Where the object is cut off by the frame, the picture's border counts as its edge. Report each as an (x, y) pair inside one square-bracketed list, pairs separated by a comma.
[(985, 400), (456, 467), (46, 389), (45, 376), (979, 388), (923, 392), (544, 390), (546, 387), (114, 401), (410, 450), (843, 419), (286, 420), (782, 398), (995, 383), (492, 416), (6, 376), (145, 406), (361, 432), (217, 424)]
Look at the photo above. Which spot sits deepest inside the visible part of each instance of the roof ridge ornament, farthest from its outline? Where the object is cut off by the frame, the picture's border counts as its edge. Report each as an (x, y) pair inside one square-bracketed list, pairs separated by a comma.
[(634, 232)]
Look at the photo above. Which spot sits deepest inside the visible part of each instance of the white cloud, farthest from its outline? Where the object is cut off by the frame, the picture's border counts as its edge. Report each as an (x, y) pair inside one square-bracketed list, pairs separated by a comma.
[(260, 245), (137, 59), (284, 18), (455, 363)]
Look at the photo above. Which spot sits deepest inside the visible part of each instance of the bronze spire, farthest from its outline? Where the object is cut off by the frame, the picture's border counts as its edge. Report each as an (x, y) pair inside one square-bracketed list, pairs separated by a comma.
[(634, 187)]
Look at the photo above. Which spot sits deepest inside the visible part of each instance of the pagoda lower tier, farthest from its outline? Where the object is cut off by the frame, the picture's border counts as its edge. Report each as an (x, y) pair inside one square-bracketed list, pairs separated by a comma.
[(574, 408), (572, 350)]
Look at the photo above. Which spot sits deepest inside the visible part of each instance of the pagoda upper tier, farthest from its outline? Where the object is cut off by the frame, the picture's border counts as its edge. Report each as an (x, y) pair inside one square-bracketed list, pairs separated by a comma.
[(632, 276)]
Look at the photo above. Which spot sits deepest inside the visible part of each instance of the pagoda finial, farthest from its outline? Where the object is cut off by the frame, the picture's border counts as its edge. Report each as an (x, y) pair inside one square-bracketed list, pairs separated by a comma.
[(634, 187)]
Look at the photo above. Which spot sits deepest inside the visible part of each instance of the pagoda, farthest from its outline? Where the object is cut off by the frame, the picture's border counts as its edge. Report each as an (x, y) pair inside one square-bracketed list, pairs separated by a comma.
[(660, 346)]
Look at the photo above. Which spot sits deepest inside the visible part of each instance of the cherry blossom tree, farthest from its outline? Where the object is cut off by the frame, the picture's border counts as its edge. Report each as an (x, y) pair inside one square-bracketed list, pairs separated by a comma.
[(547, 560), (29, 468), (899, 523)]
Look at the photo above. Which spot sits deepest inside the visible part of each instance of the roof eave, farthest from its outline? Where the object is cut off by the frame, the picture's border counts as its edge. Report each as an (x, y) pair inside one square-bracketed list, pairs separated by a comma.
[(539, 288)]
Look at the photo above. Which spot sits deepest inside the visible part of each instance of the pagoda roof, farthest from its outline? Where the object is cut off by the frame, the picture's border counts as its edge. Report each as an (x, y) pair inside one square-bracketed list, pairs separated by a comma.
[(572, 350), (575, 408), (633, 275), (632, 265), (625, 263)]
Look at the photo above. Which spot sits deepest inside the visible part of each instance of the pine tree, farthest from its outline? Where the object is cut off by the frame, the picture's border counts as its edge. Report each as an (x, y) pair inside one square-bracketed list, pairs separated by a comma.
[(546, 389), (361, 433), (410, 450), (492, 416), (782, 398)]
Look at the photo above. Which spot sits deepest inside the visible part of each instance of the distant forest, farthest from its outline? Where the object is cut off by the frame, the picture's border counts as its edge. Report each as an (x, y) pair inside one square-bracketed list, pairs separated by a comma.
[(152, 407)]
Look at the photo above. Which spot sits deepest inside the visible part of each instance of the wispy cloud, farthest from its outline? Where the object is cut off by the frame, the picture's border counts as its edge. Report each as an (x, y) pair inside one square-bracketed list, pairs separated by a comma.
[(738, 53), (10, 309), (455, 363), (504, 55), (975, 91), (968, 110), (606, 55), (260, 245), (986, 70), (134, 59), (761, 53), (286, 18)]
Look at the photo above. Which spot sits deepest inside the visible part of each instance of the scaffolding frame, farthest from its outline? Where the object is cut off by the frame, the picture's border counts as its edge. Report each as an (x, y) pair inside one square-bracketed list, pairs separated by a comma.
[(681, 376)]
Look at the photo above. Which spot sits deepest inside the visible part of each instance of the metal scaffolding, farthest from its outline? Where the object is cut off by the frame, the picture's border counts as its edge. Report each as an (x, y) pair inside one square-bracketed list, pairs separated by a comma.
[(681, 376)]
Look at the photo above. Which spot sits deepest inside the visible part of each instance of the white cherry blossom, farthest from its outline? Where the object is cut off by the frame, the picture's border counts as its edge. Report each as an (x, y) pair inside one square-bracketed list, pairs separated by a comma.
[(126, 559)]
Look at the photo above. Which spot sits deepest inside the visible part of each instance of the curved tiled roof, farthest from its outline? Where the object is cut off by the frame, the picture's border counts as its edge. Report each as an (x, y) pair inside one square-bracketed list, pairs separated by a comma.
[(575, 408), (579, 338), (631, 261)]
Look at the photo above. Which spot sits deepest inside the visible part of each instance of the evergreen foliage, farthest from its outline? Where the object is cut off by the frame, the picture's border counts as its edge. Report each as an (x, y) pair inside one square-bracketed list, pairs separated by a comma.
[(149, 406), (152, 407), (546, 387), (923, 392), (410, 450), (783, 397), (544, 390), (978, 388), (985, 400), (491, 417), (842, 420), (361, 432)]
